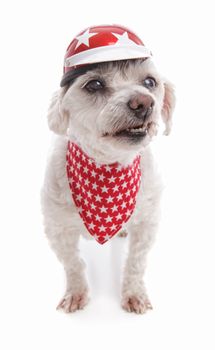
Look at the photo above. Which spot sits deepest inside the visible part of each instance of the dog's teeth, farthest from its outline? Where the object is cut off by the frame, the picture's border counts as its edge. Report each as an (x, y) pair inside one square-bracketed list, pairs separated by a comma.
[(136, 130)]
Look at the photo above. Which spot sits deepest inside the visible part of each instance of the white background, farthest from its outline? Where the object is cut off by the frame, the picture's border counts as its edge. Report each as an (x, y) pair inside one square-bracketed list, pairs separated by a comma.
[(180, 275)]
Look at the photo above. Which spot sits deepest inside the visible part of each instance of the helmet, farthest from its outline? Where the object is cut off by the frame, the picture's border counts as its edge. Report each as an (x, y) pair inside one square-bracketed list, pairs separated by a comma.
[(101, 44)]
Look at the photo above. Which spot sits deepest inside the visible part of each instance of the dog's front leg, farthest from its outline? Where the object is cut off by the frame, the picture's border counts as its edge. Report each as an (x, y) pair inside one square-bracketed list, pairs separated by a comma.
[(65, 244), (76, 296), (134, 295)]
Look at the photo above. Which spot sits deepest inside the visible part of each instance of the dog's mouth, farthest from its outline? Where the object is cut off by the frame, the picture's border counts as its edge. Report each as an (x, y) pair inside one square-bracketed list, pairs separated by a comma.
[(138, 131)]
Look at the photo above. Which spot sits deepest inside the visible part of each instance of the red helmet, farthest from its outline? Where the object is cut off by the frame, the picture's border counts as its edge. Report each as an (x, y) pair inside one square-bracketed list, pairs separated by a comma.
[(102, 44)]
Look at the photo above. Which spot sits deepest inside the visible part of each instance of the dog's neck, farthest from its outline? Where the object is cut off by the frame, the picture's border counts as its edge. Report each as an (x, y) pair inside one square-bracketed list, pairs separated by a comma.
[(103, 154)]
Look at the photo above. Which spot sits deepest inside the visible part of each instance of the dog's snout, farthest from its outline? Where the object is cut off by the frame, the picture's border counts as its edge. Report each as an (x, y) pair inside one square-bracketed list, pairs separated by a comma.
[(141, 105)]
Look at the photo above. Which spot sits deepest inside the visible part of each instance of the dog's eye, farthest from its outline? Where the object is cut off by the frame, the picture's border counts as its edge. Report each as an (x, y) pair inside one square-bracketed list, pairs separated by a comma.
[(150, 83), (94, 85)]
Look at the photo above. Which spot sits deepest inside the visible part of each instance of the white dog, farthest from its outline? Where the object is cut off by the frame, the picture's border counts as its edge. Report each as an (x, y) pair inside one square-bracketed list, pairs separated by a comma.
[(109, 112)]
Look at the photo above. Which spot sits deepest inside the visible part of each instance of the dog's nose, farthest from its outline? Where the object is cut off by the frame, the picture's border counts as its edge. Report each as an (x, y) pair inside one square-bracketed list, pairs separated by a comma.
[(141, 105)]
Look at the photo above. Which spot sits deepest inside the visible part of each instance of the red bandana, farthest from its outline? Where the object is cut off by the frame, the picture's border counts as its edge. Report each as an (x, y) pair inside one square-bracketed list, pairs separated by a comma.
[(105, 195)]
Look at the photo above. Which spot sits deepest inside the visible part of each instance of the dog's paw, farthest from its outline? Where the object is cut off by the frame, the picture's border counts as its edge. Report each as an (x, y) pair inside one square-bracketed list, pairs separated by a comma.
[(72, 302), (136, 304), (123, 233)]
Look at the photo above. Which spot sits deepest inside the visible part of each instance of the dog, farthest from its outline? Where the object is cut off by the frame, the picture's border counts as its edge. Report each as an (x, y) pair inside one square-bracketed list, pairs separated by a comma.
[(110, 112)]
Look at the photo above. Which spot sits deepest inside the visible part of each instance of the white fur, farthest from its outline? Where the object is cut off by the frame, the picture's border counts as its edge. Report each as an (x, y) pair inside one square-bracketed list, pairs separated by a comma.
[(84, 119)]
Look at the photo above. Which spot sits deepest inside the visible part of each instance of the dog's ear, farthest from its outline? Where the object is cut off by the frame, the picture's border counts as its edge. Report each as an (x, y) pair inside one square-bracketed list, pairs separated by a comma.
[(168, 106), (58, 118)]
